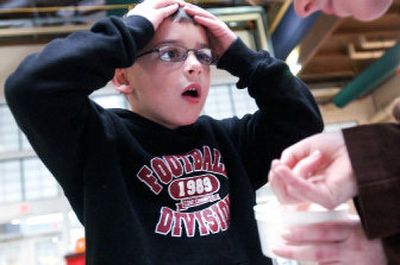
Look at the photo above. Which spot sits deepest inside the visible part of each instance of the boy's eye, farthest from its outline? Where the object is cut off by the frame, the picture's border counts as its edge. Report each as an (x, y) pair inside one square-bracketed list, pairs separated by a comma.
[(171, 54), (205, 56)]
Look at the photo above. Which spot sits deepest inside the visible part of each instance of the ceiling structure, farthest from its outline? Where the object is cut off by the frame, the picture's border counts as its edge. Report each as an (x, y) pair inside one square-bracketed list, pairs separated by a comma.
[(331, 52), (336, 50)]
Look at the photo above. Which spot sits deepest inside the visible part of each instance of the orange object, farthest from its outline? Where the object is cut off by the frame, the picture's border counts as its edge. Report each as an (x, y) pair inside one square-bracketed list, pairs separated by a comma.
[(80, 246)]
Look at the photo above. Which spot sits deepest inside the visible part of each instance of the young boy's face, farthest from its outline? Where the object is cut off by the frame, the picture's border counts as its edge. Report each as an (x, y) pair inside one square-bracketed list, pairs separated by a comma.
[(359, 9), (170, 93)]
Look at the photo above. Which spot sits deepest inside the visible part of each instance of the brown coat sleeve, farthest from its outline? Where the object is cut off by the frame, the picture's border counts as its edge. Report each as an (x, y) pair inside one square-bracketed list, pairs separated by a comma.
[(374, 152)]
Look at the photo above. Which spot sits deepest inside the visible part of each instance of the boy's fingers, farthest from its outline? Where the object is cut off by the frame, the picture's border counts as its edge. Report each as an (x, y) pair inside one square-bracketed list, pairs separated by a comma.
[(166, 7), (196, 10), (169, 10), (204, 17), (207, 22), (164, 3)]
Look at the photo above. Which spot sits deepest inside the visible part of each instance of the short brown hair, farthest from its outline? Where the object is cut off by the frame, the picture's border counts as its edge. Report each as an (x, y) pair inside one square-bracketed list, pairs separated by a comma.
[(181, 16)]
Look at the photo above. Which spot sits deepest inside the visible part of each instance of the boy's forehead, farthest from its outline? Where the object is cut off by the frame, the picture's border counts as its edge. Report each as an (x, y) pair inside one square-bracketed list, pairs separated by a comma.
[(180, 32)]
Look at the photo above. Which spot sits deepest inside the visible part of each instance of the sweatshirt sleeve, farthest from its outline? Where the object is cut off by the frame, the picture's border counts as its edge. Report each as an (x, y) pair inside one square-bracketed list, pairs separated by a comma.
[(48, 92), (287, 110), (375, 154)]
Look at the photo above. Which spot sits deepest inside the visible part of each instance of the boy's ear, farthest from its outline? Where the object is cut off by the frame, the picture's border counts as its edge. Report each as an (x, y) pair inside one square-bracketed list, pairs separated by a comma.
[(120, 81)]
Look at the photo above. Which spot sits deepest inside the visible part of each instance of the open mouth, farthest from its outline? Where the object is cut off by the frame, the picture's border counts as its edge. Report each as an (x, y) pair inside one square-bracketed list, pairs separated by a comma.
[(192, 91)]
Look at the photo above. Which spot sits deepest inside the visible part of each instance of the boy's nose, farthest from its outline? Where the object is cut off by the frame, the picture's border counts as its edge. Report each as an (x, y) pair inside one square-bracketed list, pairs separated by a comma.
[(304, 8), (192, 64)]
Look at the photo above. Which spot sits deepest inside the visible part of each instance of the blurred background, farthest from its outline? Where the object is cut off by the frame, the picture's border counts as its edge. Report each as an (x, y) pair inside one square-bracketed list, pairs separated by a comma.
[(351, 67)]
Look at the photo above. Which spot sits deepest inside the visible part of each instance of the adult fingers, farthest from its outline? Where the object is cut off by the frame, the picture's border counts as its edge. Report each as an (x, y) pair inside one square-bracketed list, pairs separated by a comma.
[(323, 232), (307, 166), (316, 188), (290, 188), (322, 253), (299, 189), (293, 154), (278, 184)]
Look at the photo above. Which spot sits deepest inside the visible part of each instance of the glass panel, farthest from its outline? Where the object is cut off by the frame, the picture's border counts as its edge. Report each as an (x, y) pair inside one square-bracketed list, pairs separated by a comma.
[(10, 182), (8, 130), (73, 220), (43, 223), (10, 254), (242, 101), (219, 102), (47, 251), (110, 101), (334, 127), (226, 101), (24, 141), (39, 182), (76, 230)]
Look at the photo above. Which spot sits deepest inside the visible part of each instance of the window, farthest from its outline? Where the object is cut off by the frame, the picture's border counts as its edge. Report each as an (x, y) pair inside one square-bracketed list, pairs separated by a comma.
[(10, 254), (47, 251), (110, 100), (9, 136), (10, 182), (334, 127), (226, 101), (38, 181)]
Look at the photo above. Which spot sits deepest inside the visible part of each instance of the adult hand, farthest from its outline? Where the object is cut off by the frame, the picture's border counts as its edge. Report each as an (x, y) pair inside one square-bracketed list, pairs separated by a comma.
[(221, 36), (339, 243), (156, 10), (316, 169)]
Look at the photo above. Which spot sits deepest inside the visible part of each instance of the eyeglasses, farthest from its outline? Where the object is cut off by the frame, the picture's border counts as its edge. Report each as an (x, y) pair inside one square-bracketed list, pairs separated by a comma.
[(169, 53)]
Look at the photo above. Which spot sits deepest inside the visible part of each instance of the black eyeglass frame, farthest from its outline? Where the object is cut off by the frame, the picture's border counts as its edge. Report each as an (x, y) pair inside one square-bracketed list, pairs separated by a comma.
[(186, 54)]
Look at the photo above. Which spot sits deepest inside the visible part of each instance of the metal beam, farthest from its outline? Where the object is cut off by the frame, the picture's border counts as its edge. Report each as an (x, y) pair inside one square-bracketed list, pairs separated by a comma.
[(290, 32), (370, 78)]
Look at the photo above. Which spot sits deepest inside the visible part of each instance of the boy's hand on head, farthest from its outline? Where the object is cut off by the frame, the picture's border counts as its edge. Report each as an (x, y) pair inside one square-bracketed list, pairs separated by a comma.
[(221, 36), (156, 10)]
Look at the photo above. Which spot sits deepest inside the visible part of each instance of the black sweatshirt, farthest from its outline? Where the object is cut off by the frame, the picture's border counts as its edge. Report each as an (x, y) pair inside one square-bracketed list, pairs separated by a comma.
[(147, 194)]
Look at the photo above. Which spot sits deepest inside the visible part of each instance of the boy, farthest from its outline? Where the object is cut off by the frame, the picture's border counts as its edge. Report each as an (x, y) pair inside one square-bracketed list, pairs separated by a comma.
[(158, 184)]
